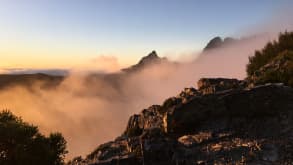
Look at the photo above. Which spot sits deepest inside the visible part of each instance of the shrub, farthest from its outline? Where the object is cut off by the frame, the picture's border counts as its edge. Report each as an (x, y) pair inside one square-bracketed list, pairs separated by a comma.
[(22, 143), (269, 52)]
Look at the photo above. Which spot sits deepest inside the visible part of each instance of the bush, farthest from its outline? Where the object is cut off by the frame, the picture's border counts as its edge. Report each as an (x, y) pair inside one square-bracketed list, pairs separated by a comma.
[(22, 143), (274, 63), (269, 52)]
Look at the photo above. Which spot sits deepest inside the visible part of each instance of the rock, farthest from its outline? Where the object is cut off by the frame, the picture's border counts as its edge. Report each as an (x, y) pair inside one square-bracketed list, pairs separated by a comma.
[(213, 85), (156, 147), (187, 94), (148, 119), (134, 126), (270, 152), (263, 101), (127, 150), (191, 140)]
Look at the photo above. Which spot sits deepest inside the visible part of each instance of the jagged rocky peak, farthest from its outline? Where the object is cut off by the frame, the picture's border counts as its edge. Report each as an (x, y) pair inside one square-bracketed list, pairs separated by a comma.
[(151, 58)]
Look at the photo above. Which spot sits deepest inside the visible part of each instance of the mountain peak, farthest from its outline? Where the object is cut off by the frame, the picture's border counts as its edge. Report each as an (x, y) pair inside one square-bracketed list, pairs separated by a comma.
[(153, 54), (214, 43), (217, 42), (151, 58)]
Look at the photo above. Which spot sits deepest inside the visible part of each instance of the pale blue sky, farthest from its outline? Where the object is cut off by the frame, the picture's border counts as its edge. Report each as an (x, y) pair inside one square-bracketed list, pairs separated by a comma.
[(127, 29)]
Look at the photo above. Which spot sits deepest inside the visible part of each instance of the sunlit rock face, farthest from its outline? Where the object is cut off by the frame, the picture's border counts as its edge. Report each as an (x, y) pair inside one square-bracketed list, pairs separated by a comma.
[(233, 125), (213, 85)]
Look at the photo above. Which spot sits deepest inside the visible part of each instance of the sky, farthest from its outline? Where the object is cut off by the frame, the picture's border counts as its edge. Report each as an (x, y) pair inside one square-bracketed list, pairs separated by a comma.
[(74, 33)]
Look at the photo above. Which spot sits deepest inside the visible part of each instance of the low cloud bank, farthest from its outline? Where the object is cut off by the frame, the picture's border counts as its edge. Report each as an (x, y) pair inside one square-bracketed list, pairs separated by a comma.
[(90, 110)]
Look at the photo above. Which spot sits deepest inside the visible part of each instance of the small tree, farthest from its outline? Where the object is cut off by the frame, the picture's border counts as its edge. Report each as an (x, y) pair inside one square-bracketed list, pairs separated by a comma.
[(22, 143)]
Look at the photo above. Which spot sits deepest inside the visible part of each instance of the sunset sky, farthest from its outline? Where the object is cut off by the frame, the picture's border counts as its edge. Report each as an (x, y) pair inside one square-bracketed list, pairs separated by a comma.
[(75, 33)]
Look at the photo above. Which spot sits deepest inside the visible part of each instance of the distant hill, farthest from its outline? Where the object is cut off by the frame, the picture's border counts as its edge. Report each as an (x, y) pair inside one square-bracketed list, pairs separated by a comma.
[(52, 78), (27, 80)]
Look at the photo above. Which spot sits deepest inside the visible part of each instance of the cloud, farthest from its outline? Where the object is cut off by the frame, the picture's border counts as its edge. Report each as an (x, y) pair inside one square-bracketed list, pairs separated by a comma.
[(105, 63)]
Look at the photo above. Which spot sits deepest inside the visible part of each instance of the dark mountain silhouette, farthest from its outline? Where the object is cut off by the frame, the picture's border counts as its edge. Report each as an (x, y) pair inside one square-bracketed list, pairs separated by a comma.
[(218, 42), (28, 80), (146, 61)]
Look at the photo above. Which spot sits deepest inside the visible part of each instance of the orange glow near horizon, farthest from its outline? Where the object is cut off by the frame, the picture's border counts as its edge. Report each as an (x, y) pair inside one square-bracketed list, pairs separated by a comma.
[(26, 57)]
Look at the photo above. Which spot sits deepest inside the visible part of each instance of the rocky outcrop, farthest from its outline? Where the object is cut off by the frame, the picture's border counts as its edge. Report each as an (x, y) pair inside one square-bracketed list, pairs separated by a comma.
[(213, 85), (147, 119), (230, 125)]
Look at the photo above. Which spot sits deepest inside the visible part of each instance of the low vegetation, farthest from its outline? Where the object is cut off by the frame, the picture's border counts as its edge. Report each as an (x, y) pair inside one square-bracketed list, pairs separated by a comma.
[(274, 63), (22, 143)]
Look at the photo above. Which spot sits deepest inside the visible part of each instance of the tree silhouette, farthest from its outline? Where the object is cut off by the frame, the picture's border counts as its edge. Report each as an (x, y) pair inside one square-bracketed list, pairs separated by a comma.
[(22, 144)]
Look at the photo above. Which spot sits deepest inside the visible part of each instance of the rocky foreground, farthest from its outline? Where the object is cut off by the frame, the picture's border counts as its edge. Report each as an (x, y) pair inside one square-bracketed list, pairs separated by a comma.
[(224, 121)]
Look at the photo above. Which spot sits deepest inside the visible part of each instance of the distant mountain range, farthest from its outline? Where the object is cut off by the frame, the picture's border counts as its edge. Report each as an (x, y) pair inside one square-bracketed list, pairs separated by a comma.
[(53, 77), (150, 59), (27, 80)]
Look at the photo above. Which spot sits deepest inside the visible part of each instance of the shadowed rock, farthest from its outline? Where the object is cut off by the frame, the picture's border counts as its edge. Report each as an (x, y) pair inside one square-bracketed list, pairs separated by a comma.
[(213, 85)]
